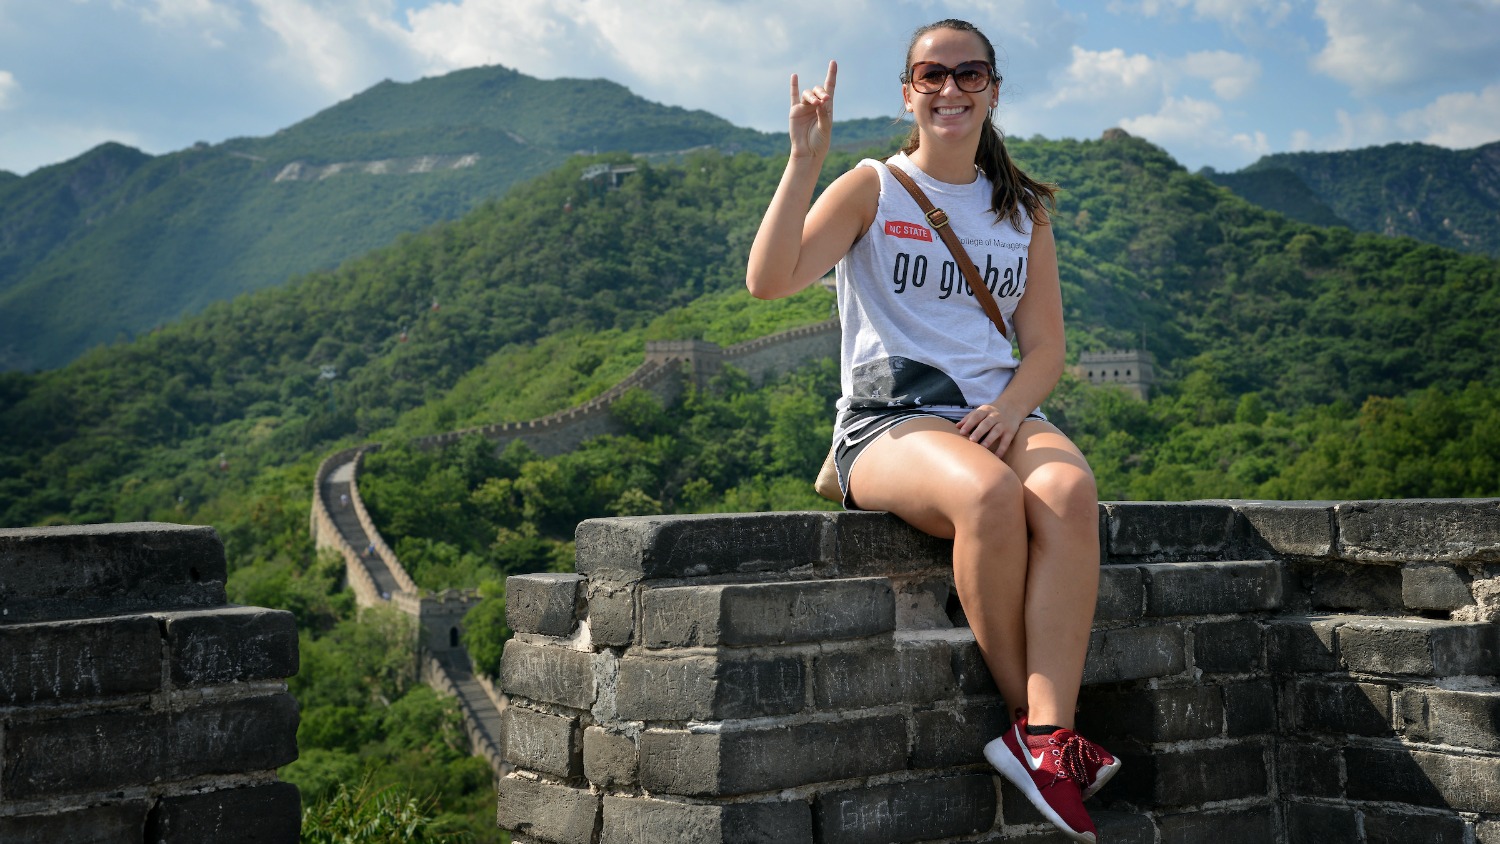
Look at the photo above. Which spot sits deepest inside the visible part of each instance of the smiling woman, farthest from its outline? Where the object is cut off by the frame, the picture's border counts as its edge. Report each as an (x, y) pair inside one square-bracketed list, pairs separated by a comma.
[(938, 421)]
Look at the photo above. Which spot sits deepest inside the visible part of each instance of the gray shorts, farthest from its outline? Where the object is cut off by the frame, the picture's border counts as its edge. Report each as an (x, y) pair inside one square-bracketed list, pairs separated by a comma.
[(861, 427)]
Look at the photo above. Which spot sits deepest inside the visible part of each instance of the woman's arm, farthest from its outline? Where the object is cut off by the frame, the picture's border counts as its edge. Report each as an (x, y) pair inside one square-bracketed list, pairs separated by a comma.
[(1039, 330), (794, 246)]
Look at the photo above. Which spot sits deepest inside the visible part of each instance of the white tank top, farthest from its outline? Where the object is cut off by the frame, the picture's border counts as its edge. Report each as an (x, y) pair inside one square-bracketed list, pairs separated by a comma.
[(914, 335)]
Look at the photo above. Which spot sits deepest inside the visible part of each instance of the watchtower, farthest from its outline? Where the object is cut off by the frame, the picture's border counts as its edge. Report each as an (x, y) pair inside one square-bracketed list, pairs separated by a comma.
[(1132, 369)]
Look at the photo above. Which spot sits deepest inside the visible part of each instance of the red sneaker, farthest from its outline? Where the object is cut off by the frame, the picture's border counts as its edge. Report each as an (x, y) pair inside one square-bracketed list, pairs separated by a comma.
[(1047, 769), (1098, 764)]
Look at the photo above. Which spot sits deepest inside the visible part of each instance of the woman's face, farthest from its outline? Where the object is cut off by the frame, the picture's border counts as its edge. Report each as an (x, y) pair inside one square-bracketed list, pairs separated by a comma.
[(950, 112)]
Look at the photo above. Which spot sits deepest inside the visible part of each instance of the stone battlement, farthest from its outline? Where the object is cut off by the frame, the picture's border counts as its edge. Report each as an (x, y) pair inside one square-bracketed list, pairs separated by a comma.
[(135, 703), (1269, 672)]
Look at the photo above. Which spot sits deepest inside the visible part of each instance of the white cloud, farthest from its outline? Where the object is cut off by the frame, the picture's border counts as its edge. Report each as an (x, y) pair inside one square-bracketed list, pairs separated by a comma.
[(1459, 121), (1231, 75), (1377, 45), (8, 88), (1234, 13), (1186, 123), (1126, 82), (342, 45), (207, 17)]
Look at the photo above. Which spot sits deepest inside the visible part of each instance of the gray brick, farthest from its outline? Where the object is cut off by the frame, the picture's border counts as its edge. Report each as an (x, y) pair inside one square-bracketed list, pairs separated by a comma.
[(917, 810), (230, 645), (548, 673), (1321, 822), (1189, 777), (1249, 709), (1153, 715), (1171, 531), (1122, 594), (914, 671), (86, 571), (1305, 769), (610, 760), (1290, 528), (1383, 826), (1134, 653), (1123, 827), (546, 811), (1469, 719), (1341, 707), (119, 749), (1244, 826), (632, 820), (107, 824), (1435, 588), (969, 670), (710, 686), (540, 742), (767, 613), (545, 603), (1487, 832), (1398, 774), (266, 813), (1211, 588), (1235, 647), (1419, 646), (952, 738), (73, 660), (1308, 644), (873, 543), (611, 614), (1335, 586), (740, 760), (633, 548), (1434, 530)]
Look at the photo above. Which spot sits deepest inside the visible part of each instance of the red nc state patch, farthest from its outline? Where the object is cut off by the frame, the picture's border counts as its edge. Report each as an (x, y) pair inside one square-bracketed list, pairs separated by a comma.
[(911, 231)]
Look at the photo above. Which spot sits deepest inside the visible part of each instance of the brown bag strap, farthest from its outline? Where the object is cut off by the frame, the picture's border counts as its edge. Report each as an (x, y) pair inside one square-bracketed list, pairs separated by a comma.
[(938, 219)]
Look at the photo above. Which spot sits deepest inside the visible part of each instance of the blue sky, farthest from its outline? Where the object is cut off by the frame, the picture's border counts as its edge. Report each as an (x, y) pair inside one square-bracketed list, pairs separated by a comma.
[(1216, 82)]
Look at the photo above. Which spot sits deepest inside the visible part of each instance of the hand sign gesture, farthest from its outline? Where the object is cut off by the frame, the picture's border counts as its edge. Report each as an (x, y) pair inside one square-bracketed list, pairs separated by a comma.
[(811, 117)]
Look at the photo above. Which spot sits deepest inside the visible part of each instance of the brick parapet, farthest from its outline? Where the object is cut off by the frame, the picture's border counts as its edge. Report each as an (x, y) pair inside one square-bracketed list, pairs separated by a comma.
[(716, 667), (382, 550), (135, 703)]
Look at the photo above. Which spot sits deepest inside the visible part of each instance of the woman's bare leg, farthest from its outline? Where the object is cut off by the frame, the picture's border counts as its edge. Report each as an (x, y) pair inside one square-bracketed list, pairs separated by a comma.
[(1062, 582), (939, 482)]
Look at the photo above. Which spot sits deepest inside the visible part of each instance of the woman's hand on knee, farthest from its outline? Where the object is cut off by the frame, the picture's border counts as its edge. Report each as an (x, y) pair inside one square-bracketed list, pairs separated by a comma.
[(992, 426)]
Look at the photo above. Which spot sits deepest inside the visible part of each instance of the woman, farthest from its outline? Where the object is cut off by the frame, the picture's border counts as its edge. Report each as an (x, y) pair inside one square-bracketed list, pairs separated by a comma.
[(938, 422)]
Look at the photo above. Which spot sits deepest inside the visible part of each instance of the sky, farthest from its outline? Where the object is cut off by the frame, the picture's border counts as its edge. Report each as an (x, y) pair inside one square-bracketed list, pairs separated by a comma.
[(1216, 83)]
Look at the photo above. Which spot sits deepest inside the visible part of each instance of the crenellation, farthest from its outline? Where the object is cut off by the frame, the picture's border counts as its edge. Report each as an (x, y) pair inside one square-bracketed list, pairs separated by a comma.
[(143, 707), (1248, 664)]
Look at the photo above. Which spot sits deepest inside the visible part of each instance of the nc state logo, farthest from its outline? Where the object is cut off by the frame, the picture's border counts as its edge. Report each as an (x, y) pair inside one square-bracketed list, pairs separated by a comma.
[(911, 231)]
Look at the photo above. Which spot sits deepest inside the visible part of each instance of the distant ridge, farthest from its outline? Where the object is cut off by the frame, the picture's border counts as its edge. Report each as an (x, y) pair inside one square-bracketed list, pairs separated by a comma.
[(1447, 197), (116, 242)]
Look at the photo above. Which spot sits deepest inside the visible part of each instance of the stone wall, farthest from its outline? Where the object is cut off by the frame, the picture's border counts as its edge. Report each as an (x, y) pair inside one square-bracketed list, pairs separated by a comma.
[(1269, 672), (135, 703)]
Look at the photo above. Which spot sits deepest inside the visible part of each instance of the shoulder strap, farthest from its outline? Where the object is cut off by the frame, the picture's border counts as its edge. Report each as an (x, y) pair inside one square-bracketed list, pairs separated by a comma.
[(939, 221)]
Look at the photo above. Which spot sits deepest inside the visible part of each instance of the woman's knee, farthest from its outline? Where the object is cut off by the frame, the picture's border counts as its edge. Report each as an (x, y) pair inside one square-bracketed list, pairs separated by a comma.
[(989, 490), (1066, 489)]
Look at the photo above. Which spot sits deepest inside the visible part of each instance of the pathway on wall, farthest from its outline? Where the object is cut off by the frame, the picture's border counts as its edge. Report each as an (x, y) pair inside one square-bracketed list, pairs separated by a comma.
[(337, 507), (340, 507)]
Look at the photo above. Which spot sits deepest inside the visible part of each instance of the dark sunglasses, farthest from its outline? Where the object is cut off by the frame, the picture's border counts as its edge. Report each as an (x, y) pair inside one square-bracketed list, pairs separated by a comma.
[(970, 77)]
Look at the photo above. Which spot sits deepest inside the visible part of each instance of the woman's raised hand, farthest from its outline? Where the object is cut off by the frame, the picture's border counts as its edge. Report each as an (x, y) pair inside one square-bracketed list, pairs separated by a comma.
[(811, 117)]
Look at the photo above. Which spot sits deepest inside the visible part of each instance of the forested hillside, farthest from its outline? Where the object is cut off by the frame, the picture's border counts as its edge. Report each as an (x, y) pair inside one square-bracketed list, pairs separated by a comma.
[(1298, 361), (117, 242), (1443, 196)]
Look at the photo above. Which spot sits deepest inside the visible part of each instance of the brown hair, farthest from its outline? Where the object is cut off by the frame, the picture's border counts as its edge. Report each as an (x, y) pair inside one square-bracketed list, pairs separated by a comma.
[(1014, 190)]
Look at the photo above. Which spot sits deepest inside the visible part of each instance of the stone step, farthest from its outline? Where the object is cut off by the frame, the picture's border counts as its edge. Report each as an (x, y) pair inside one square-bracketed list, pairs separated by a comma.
[(1403, 646)]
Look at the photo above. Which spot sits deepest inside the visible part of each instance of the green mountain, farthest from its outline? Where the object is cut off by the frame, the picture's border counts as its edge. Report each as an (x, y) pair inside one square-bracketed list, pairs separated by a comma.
[(117, 242), (1443, 196)]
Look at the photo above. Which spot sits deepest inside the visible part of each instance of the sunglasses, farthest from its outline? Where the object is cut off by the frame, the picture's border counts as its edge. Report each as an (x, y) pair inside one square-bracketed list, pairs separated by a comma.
[(970, 77)]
